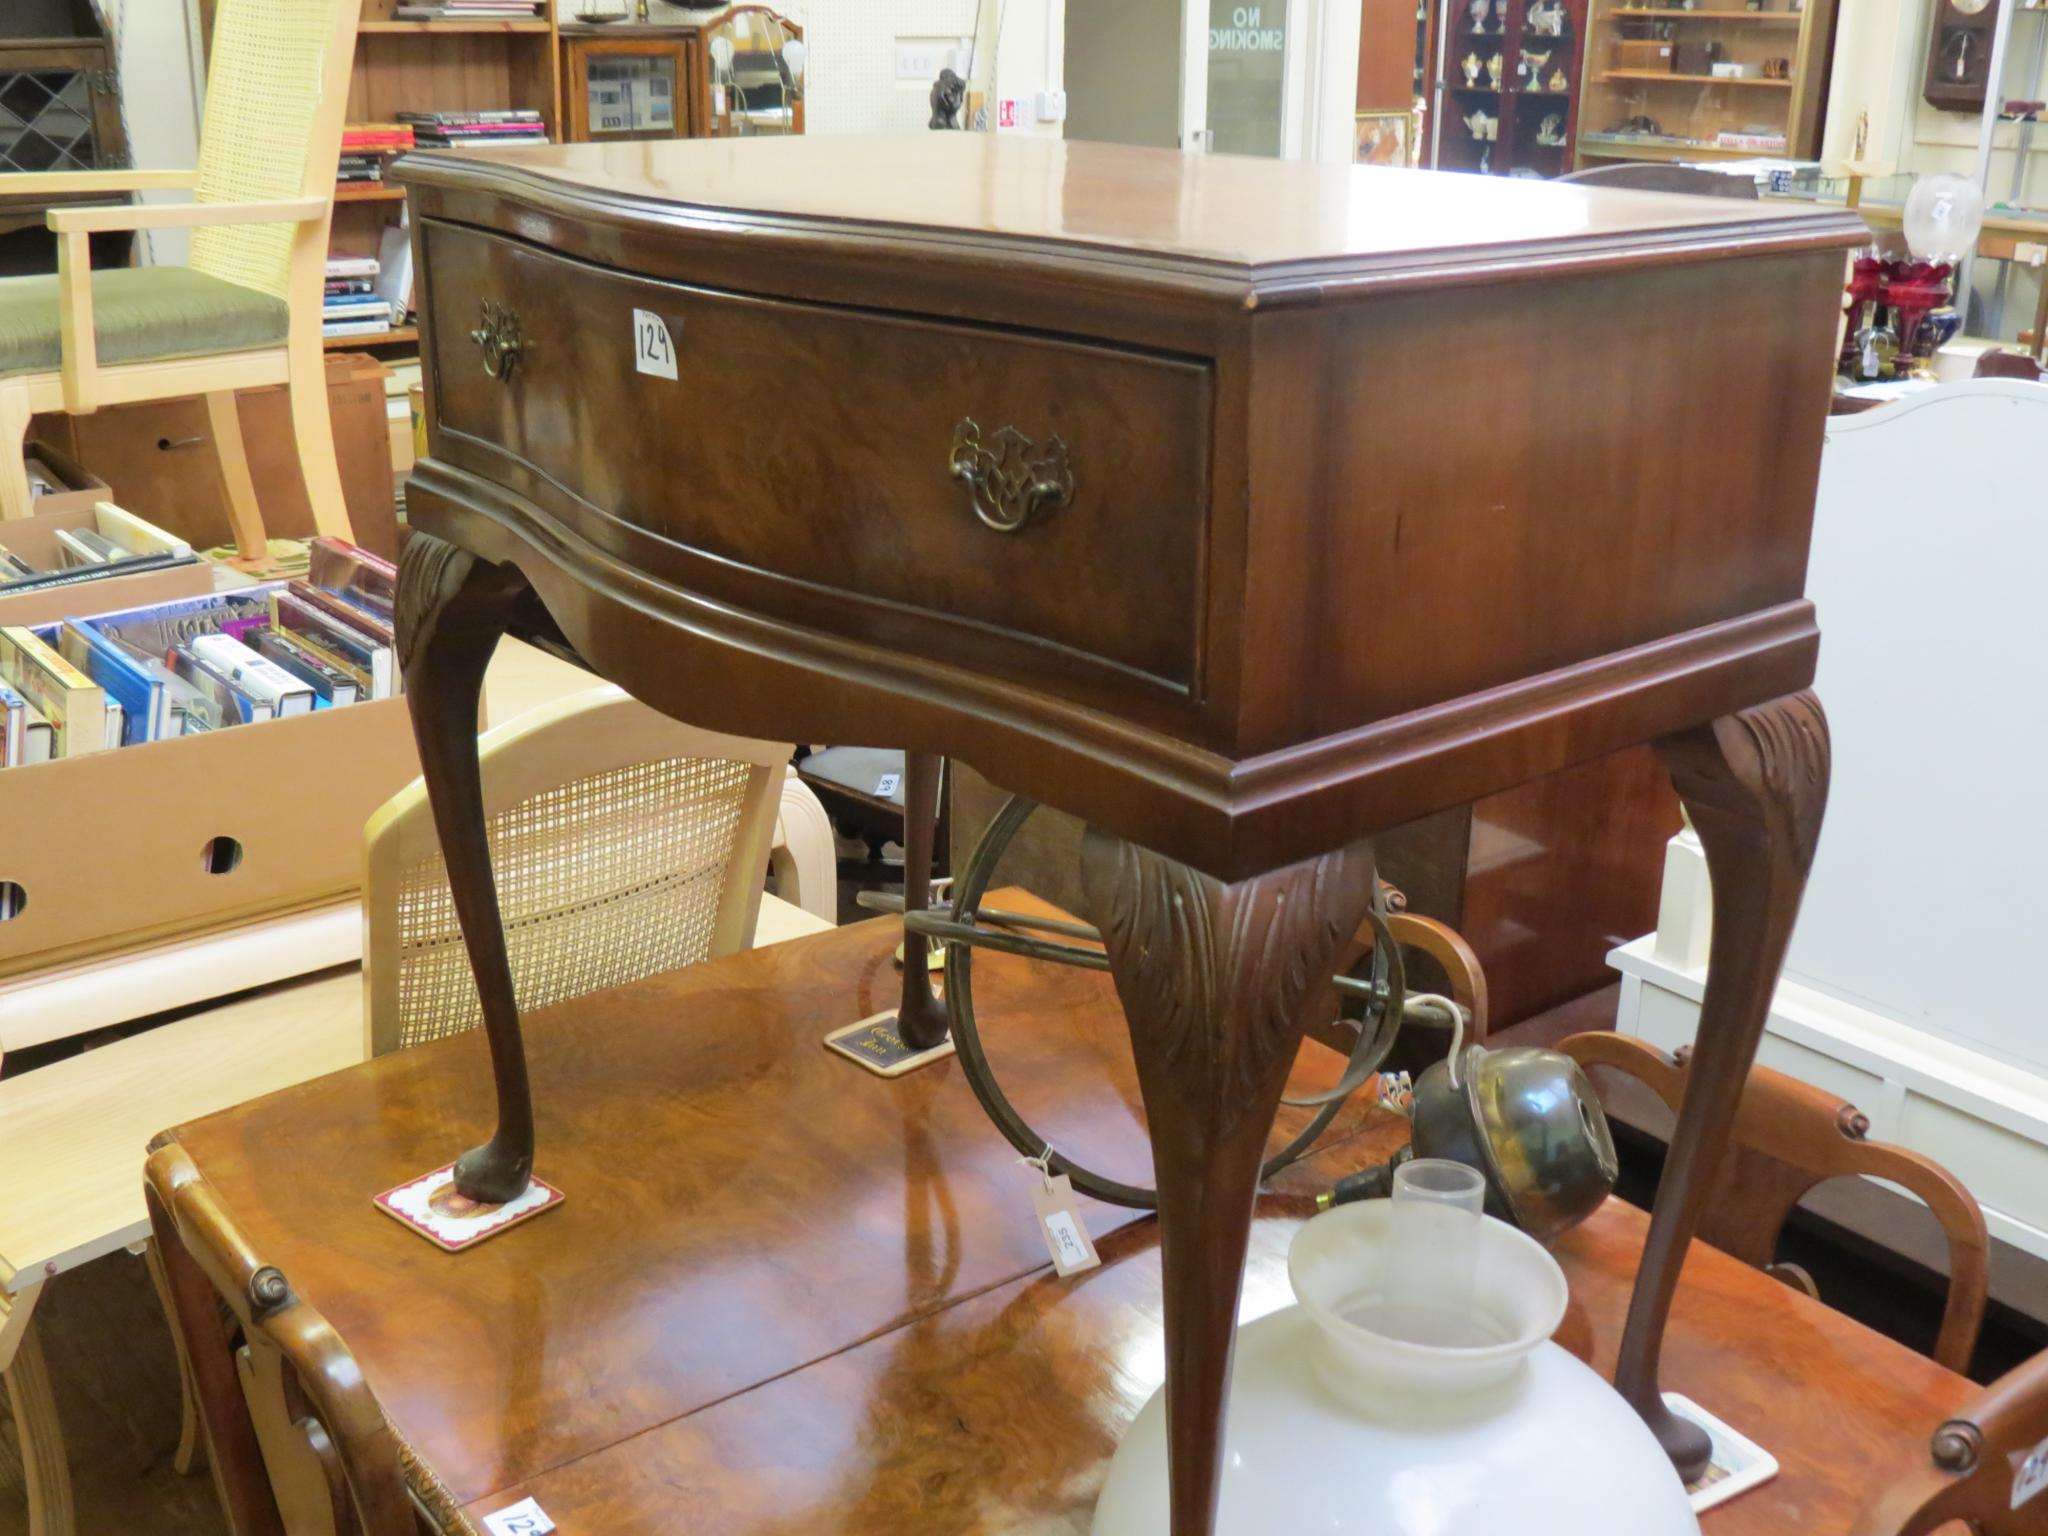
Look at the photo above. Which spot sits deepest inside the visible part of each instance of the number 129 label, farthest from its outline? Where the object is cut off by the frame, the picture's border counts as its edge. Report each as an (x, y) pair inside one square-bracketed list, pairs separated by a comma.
[(653, 351)]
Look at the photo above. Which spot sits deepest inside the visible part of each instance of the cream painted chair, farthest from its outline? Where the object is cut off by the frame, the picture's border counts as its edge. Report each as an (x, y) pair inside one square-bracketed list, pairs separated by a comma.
[(624, 844), (245, 311)]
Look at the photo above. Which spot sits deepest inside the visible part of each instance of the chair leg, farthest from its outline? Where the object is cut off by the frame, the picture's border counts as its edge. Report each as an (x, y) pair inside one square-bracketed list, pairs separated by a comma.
[(245, 514), (185, 1460), (314, 431), (14, 415), (42, 1439)]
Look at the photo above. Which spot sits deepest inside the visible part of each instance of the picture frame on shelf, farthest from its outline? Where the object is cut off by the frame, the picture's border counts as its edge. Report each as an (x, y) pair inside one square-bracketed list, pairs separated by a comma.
[(1382, 138)]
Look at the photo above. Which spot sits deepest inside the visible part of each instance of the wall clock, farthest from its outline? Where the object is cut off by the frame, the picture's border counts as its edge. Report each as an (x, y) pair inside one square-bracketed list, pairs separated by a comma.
[(1959, 54)]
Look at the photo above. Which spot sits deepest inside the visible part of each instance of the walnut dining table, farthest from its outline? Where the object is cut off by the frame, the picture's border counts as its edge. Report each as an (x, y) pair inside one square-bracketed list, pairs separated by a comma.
[(802, 1299), (1242, 508)]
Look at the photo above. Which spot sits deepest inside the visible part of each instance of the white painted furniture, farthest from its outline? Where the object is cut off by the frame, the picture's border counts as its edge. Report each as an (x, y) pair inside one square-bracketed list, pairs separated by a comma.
[(1913, 982)]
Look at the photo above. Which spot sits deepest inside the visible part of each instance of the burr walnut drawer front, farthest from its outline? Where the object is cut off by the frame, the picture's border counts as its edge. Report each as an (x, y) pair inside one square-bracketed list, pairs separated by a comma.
[(993, 491)]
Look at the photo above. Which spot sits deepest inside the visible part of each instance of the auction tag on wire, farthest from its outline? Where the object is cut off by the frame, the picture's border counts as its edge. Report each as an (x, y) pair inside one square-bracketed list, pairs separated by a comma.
[(521, 1519), (1059, 1222), (2033, 1477), (653, 350)]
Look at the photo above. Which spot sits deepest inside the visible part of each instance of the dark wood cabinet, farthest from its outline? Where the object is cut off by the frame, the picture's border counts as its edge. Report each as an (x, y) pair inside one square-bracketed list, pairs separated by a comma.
[(1510, 73), (1959, 54), (60, 110)]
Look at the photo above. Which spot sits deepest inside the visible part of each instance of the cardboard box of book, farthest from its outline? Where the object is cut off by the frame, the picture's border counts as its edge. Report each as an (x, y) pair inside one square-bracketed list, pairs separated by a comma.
[(59, 483), (223, 751), (91, 559)]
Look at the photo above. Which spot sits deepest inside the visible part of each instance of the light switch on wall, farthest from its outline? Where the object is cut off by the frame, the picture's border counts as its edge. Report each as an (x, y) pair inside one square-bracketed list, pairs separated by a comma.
[(1052, 106), (920, 58)]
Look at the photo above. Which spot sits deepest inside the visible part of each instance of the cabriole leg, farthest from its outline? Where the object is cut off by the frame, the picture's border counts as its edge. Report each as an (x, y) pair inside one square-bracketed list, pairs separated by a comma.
[(1215, 980), (1755, 784), (921, 1018), (452, 610)]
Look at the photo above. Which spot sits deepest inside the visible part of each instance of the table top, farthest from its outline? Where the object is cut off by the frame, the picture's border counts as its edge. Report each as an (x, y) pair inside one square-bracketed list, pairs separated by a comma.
[(1212, 211), (783, 1294), (73, 1134)]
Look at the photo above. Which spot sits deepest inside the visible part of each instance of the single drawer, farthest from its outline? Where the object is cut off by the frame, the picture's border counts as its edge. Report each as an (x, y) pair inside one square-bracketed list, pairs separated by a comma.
[(852, 471)]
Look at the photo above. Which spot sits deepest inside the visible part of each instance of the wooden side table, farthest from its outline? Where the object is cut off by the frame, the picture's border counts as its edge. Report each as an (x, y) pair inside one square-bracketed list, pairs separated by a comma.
[(1241, 508)]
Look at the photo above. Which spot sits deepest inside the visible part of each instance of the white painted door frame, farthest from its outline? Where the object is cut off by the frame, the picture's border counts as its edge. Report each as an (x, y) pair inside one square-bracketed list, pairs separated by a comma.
[(1319, 71)]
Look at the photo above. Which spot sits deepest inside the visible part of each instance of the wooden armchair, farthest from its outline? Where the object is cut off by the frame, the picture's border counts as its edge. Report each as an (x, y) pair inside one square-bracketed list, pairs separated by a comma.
[(1790, 1136), (624, 844), (245, 312), (1986, 1468)]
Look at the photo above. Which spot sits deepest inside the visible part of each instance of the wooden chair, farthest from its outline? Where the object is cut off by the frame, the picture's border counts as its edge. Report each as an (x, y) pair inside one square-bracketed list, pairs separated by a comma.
[(294, 1437), (2000, 364), (1646, 177), (1790, 1136), (1980, 1466), (244, 312), (624, 844)]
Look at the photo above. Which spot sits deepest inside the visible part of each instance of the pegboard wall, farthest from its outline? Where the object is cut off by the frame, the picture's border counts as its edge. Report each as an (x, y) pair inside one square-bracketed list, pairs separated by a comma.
[(851, 62)]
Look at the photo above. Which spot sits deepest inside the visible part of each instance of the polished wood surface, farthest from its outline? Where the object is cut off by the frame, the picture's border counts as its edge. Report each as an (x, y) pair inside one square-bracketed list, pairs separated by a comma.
[(1218, 700), (1790, 1136), (813, 1300), (1215, 209), (1402, 597), (1987, 1466), (998, 1416), (828, 407)]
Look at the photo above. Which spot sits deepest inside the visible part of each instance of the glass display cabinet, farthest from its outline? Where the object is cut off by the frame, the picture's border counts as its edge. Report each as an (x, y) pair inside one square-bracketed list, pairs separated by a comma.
[(60, 110), (627, 84), (732, 73), (1507, 95)]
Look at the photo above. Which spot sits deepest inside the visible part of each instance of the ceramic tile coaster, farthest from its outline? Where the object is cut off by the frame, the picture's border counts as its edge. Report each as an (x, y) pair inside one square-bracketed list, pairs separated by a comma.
[(874, 1043), (1737, 1464), (430, 1206)]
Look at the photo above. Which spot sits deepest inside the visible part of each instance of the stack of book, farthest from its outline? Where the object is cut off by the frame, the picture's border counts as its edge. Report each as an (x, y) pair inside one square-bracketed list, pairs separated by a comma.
[(445, 130), (210, 663), (353, 307), (366, 146), (118, 544), (469, 10)]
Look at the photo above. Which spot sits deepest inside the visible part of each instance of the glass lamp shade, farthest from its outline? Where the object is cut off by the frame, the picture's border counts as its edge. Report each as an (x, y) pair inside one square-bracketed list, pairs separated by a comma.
[(1944, 213), (1336, 1428)]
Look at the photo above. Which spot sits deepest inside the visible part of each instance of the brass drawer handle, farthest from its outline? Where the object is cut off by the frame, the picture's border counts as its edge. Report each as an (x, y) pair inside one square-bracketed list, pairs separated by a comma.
[(1010, 479), (500, 340)]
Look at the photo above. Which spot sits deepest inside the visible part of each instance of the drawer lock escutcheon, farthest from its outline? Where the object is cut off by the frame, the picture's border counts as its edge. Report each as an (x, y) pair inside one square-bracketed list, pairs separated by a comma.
[(499, 339), (1009, 478)]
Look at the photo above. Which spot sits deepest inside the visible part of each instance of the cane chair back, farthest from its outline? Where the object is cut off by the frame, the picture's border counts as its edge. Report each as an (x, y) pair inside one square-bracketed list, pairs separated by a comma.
[(276, 89), (623, 843), (1790, 1136)]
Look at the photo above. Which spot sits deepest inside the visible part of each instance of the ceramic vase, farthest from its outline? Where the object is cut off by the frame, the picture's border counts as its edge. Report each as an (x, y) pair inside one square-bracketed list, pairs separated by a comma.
[(1337, 1428)]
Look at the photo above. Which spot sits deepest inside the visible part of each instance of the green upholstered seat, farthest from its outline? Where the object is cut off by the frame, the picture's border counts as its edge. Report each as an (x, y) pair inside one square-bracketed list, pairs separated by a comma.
[(141, 314)]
